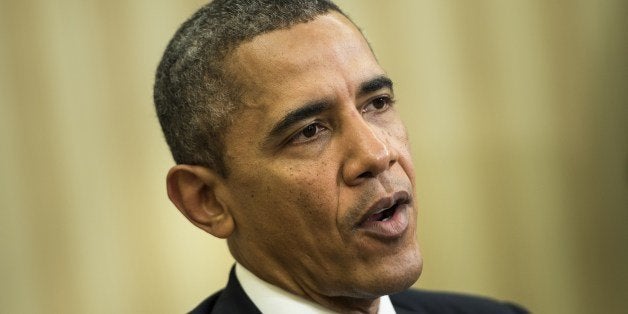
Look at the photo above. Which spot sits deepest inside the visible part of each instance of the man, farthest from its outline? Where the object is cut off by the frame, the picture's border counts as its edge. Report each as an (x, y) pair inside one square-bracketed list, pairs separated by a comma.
[(288, 145)]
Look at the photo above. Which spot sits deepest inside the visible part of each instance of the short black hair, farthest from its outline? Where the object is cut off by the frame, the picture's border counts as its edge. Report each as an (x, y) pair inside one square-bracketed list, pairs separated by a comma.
[(194, 94)]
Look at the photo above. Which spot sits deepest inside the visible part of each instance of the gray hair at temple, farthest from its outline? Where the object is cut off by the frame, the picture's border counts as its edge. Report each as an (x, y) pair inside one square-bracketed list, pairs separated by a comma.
[(194, 94)]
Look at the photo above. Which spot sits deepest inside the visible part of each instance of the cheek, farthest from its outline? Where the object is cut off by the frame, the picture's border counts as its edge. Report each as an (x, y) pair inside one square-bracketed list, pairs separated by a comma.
[(397, 138), (287, 198), (405, 161), (310, 195)]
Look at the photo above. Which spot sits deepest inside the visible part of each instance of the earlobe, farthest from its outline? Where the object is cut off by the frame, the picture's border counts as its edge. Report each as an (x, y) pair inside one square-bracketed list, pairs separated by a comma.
[(198, 194)]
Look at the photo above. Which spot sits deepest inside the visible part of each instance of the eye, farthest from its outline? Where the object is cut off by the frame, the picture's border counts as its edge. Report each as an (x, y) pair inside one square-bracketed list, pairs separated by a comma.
[(309, 130), (380, 103), (308, 133)]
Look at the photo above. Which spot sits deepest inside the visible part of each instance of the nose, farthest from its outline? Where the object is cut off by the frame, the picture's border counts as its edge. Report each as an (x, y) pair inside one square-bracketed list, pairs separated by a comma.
[(367, 152)]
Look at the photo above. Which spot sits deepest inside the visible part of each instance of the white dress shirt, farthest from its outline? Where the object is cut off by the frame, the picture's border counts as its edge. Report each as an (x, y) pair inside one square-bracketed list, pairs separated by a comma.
[(272, 299)]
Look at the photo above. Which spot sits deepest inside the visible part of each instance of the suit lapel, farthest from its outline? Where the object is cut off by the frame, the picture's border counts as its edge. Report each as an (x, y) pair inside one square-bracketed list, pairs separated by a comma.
[(400, 310), (233, 299)]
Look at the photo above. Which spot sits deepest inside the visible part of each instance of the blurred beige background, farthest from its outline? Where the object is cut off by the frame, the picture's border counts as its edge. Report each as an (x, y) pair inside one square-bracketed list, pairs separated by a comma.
[(518, 114)]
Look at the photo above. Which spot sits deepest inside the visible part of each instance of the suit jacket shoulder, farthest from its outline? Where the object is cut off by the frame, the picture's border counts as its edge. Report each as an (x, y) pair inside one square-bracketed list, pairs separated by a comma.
[(419, 301), (232, 299)]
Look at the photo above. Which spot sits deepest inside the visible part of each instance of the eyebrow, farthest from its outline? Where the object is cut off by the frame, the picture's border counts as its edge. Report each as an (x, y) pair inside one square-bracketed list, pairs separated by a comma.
[(309, 110), (316, 107), (375, 84)]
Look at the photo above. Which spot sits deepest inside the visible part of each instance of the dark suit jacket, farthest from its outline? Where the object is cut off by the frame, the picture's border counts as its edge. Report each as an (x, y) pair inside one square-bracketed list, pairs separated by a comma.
[(233, 300)]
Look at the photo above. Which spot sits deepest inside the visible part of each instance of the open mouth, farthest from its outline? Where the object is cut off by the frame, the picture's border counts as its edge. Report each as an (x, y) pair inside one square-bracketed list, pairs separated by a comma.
[(389, 217), (384, 214)]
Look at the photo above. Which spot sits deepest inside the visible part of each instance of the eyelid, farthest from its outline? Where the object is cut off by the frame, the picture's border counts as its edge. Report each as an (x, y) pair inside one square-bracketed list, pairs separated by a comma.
[(293, 137), (390, 101)]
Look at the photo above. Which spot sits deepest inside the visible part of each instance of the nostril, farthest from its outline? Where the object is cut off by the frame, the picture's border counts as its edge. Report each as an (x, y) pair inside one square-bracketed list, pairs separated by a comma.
[(366, 174)]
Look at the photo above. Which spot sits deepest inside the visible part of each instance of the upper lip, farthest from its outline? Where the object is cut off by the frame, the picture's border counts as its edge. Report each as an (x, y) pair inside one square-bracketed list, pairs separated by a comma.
[(397, 198)]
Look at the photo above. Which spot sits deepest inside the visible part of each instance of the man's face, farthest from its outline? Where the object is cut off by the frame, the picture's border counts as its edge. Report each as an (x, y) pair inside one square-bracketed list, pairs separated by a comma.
[(321, 184)]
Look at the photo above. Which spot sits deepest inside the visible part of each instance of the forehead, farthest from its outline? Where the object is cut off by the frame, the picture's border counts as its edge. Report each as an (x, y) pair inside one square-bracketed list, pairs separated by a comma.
[(325, 57)]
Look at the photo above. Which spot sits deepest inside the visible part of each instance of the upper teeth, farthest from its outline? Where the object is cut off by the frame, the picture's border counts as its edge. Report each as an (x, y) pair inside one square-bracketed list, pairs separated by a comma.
[(383, 209)]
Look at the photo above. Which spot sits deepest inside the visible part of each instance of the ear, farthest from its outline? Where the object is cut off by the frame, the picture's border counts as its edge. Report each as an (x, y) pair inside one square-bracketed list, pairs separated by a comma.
[(199, 194)]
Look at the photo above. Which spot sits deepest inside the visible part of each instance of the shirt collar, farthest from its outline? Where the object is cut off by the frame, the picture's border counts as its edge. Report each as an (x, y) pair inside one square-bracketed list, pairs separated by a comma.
[(272, 299)]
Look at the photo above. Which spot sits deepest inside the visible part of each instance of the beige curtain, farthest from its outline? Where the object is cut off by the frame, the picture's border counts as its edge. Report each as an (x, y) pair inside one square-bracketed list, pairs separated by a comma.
[(518, 114)]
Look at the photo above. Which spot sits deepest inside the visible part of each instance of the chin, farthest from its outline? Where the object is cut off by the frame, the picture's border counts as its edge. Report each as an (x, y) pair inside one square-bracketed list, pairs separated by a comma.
[(395, 276), (399, 278)]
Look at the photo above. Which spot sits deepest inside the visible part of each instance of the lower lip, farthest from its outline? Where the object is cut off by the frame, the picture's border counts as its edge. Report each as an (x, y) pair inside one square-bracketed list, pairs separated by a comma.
[(392, 228)]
